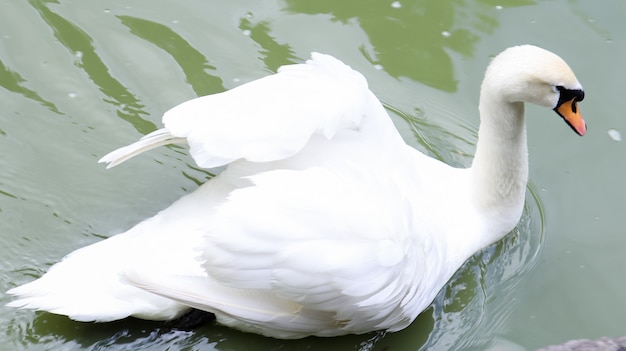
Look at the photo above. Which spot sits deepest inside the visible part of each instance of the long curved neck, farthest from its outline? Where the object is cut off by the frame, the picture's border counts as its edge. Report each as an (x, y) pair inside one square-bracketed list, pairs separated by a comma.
[(499, 171)]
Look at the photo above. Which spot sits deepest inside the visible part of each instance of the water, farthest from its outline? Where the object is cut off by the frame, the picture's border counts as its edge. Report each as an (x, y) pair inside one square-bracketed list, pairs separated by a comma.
[(78, 79)]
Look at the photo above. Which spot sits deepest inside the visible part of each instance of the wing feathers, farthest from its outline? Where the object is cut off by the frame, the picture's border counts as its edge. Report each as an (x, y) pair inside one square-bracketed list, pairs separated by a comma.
[(147, 142), (202, 293), (268, 119)]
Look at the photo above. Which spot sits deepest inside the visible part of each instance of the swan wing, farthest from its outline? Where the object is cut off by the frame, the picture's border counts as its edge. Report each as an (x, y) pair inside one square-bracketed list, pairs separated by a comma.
[(268, 119), (347, 266)]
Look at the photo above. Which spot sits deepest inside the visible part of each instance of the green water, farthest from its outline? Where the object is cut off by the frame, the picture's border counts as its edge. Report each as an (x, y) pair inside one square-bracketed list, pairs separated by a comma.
[(80, 78)]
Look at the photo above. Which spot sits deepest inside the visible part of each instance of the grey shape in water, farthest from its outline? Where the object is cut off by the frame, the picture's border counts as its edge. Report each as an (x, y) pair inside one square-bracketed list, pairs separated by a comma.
[(602, 344)]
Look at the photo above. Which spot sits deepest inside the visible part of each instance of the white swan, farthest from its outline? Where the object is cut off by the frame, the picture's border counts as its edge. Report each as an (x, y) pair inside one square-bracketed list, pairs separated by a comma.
[(324, 222)]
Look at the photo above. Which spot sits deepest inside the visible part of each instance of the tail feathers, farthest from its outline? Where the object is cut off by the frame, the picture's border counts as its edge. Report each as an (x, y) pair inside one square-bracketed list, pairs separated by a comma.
[(72, 305), (148, 142), (94, 304), (72, 313)]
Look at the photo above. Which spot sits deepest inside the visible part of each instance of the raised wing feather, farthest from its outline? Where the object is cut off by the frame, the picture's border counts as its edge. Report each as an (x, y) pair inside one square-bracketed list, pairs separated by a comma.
[(147, 142), (271, 118), (268, 119)]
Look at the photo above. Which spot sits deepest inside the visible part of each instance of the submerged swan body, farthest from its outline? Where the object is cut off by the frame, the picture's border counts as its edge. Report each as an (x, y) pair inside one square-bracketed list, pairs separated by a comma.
[(324, 222)]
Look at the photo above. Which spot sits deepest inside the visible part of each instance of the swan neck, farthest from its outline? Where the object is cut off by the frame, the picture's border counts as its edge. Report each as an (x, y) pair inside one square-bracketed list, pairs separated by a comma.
[(500, 167)]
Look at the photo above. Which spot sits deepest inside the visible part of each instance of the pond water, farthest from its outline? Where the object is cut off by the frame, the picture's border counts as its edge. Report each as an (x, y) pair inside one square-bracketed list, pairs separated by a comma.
[(81, 78)]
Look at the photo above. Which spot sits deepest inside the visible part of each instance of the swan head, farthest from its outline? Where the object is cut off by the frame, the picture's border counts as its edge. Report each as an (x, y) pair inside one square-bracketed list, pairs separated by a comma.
[(528, 73)]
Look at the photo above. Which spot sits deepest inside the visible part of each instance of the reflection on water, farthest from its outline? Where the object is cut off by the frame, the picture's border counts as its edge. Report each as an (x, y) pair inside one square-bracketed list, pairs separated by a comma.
[(272, 53), (415, 40), (412, 38), (11, 81), (80, 44), (192, 62)]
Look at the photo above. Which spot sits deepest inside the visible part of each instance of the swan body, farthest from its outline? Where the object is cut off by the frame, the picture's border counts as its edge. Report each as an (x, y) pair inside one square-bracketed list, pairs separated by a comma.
[(324, 221)]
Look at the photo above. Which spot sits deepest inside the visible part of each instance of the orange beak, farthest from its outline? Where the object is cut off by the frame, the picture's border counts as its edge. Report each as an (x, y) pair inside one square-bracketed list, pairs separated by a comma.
[(569, 111)]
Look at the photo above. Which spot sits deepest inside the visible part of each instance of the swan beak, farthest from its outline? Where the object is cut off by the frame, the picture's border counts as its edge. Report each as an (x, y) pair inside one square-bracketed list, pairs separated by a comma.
[(570, 113)]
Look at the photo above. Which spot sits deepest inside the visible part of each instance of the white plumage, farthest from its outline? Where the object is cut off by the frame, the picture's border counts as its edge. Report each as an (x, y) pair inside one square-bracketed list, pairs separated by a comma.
[(324, 222)]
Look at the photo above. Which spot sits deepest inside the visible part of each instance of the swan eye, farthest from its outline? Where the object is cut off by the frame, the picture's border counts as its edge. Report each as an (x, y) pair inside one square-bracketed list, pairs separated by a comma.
[(555, 89), (569, 94)]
